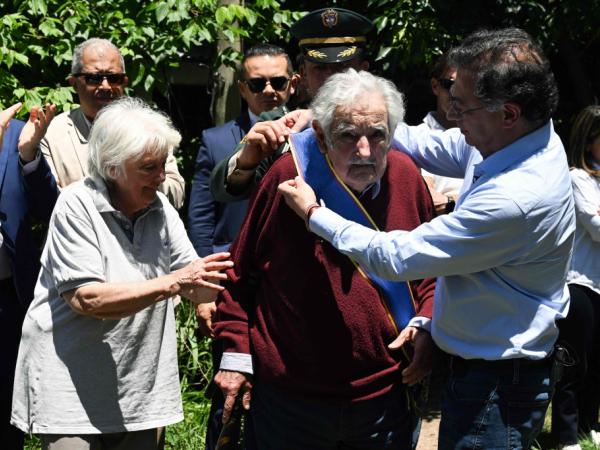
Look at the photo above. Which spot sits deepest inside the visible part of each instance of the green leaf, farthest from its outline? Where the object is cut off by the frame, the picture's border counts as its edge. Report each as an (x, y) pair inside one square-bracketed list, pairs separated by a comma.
[(383, 52), (148, 82), (162, 10), (229, 35), (221, 15), (70, 24), (23, 59)]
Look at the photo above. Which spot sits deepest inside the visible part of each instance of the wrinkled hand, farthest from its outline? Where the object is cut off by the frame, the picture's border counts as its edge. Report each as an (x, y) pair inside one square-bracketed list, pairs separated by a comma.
[(298, 195), (262, 140), (424, 350), (34, 130), (297, 120), (205, 312), (193, 279), (232, 384), (5, 117)]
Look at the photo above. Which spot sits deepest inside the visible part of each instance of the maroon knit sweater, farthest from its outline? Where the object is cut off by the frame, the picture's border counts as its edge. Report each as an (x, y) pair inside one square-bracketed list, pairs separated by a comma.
[(314, 325)]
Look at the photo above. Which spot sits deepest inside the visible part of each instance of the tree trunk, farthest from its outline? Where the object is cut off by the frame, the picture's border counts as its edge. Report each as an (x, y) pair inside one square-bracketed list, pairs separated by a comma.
[(226, 102)]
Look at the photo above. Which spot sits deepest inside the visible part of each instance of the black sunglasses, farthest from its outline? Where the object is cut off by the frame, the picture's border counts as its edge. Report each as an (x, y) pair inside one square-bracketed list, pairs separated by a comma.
[(257, 85), (446, 83), (96, 79)]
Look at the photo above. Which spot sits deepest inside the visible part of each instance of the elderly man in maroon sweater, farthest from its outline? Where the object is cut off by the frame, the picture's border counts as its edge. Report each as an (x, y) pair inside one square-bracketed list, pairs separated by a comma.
[(303, 328)]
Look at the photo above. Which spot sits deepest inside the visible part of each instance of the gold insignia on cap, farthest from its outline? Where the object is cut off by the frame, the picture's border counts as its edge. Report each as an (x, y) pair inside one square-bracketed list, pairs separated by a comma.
[(316, 54), (348, 52), (329, 18)]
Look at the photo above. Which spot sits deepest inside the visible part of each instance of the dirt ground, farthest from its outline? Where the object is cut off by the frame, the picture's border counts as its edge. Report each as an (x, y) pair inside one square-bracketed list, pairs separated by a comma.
[(429, 433)]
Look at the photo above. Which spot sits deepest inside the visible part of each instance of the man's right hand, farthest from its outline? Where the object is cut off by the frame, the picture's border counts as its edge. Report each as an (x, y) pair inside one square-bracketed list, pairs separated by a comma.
[(262, 140), (233, 384), (205, 313)]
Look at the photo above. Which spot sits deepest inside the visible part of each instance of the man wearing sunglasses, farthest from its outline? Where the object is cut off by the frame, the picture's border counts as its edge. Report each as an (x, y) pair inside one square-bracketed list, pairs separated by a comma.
[(331, 40), (98, 77), (266, 81), (444, 190)]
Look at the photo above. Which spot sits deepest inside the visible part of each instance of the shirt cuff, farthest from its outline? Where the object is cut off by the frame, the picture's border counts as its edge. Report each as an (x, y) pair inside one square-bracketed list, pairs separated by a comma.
[(237, 176), (420, 322), (237, 362), (31, 166), (324, 222)]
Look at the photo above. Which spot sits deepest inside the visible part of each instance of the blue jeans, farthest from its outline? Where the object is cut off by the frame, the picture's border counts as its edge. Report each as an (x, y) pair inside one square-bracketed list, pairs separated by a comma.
[(495, 406), (285, 422)]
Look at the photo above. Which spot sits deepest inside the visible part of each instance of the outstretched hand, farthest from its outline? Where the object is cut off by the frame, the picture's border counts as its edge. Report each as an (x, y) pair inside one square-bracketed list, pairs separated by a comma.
[(422, 360), (298, 195), (199, 280), (34, 130)]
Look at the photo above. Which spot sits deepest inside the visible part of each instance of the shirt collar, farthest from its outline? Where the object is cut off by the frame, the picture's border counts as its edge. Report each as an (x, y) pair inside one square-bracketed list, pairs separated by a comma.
[(432, 122), (515, 152), (253, 117), (101, 197), (374, 189)]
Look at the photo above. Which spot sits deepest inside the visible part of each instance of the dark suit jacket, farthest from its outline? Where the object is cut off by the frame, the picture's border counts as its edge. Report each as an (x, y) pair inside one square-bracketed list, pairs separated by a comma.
[(23, 197), (212, 225)]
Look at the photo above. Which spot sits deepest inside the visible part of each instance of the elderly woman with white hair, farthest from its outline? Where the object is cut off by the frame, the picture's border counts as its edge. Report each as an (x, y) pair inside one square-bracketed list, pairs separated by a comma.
[(97, 364)]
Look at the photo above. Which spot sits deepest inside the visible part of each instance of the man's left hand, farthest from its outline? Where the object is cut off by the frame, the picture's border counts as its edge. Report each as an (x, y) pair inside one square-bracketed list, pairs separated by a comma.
[(422, 360), (34, 130)]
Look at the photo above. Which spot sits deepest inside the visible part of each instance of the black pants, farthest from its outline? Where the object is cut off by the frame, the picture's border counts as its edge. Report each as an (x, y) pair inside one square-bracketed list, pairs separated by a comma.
[(577, 397), (11, 320)]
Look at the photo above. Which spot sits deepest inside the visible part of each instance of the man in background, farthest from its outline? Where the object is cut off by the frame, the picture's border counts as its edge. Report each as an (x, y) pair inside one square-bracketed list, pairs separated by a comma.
[(27, 191), (331, 40), (266, 81), (98, 77)]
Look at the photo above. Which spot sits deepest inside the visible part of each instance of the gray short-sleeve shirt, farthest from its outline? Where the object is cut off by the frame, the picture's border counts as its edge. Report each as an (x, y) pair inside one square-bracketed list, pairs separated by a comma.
[(81, 375)]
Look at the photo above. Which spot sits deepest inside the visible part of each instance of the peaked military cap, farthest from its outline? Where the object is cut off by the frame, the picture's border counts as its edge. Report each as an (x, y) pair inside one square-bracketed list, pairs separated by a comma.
[(331, 35)]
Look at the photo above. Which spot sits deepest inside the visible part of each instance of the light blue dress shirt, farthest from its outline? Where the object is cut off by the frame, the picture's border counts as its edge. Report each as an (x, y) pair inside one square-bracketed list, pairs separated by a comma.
[(501, 257)]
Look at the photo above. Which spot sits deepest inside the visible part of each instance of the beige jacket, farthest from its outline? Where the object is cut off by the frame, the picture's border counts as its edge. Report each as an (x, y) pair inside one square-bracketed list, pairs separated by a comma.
[(65, 149)]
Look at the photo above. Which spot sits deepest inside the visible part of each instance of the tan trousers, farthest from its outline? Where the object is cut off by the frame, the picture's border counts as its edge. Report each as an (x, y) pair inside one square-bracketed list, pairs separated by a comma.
[(153, 439)]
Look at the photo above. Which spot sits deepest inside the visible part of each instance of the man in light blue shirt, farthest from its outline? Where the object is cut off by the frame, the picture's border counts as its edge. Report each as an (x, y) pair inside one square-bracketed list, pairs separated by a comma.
[(501, 257)]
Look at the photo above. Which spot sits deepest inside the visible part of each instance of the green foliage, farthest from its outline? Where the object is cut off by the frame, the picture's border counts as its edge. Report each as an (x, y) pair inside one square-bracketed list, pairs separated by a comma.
[(37, 38), (195, 365)]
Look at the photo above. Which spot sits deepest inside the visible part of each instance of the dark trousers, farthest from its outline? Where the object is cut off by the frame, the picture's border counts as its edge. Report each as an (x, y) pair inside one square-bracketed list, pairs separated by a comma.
[(577, 398), (283, 421), (11, 320)]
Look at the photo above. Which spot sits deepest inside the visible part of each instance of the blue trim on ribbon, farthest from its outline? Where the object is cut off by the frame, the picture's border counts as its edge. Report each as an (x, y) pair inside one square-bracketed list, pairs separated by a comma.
[(318, 174)]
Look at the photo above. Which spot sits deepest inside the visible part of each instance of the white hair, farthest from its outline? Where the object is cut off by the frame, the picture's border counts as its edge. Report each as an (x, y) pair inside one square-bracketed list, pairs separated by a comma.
[(77, 63), (124, 129), (343, 90)]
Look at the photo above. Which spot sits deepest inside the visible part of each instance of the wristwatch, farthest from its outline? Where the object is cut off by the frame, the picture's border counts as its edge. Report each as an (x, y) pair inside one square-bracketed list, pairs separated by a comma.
[(450, 205)]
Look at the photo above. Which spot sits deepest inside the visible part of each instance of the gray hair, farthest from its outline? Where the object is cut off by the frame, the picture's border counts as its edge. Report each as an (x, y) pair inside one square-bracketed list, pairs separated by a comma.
[(77, 65), (124, 129), (344, 88)]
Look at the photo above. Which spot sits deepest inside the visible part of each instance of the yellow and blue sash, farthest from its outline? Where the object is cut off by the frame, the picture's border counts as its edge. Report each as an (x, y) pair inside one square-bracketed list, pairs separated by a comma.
[(317, 171)]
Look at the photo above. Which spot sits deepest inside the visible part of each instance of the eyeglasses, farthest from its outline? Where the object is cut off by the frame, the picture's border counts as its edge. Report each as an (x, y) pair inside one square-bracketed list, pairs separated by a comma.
[(257, 85), (458, 114), (96, 79), (446, 83)]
